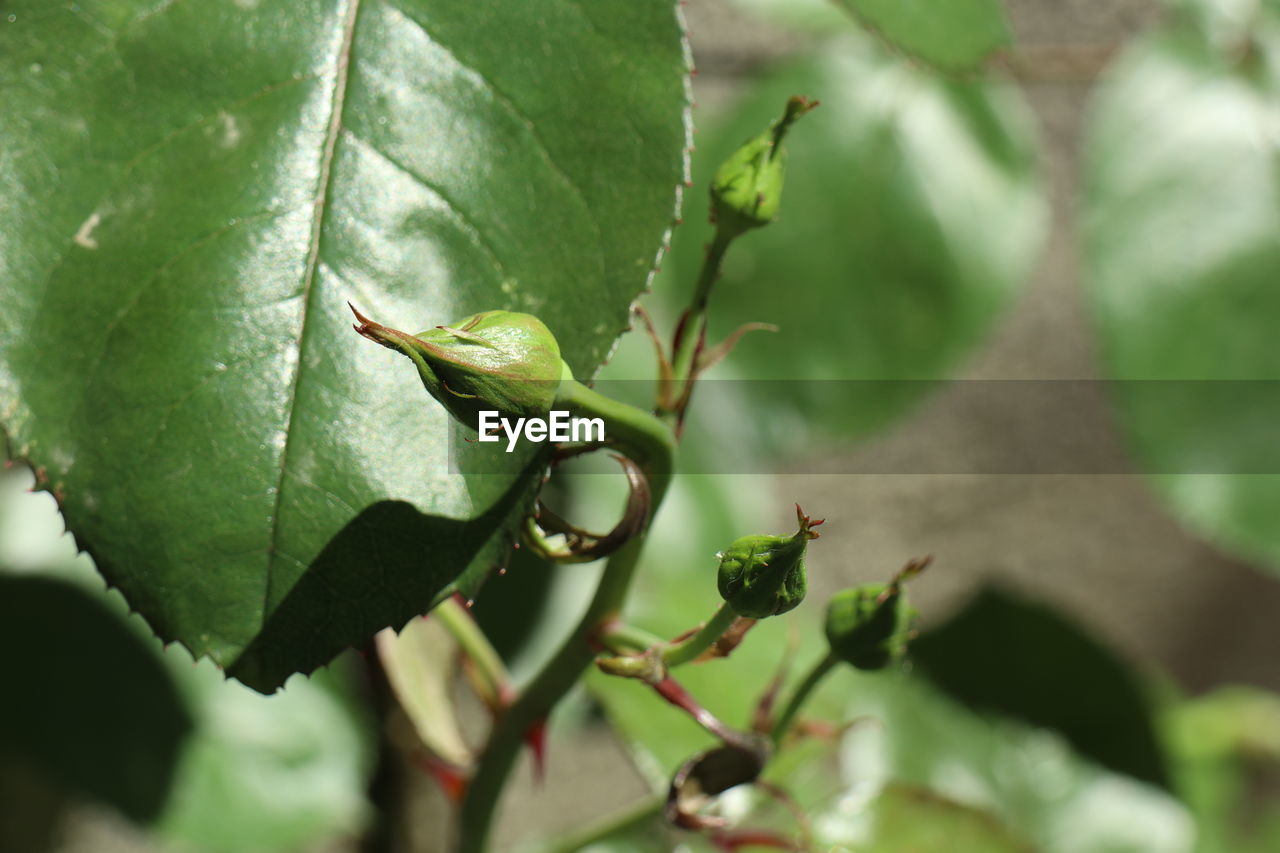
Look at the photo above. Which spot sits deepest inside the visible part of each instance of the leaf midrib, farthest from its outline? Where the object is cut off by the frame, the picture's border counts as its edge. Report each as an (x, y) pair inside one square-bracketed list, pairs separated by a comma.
[(320, 204)]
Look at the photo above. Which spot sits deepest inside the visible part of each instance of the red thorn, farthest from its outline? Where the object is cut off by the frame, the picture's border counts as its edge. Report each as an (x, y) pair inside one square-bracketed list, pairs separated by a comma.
[(364, 321), (535, 737), (674, 692), (502, 571), (451, 778), (470, 603)]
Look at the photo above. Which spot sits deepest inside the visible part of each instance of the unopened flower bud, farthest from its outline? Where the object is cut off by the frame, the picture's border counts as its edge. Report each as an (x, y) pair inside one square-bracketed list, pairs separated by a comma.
[(747, 189), (869, 626), (763, 576), (495, 360)]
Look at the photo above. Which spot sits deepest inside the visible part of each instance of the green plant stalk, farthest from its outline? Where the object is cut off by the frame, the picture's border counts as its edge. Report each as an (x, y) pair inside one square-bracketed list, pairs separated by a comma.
[(684, 359), (801, 694), (475, 645), (650, 443), (688, 649), (621, 637)]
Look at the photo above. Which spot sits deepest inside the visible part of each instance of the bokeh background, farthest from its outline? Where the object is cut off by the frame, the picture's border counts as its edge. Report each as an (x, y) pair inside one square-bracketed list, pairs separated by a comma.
[(1093, 540)]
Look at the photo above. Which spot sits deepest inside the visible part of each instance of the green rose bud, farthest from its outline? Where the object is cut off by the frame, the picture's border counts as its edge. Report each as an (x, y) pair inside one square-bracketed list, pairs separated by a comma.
[(495, 360), (869, 626), (763, 576), (747, 188)]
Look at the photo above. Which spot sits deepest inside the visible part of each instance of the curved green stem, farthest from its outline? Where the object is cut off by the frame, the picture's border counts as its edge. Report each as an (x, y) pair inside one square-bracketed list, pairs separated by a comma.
[(640, 436), (801, 694), (688, 649), (649, 443), (621, 637)]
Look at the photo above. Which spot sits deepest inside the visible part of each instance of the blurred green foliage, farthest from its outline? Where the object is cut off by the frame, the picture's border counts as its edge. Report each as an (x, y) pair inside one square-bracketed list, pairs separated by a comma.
[(1182, 238), (912, 213), (206, 763)]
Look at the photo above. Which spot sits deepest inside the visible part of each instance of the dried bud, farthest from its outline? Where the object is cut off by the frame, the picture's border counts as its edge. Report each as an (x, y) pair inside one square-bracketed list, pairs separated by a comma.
[(747, 188), (495, 360), (763, 576), (869, 626)]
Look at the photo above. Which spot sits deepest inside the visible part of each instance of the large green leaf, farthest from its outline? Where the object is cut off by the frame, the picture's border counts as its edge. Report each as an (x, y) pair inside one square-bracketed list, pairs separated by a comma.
[(912, 211), (952, 34), (189, 194), (1182, 228)]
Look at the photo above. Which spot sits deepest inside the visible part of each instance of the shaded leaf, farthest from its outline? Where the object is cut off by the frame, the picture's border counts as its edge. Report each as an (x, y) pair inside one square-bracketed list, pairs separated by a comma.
[(1182, 234), (1019, 658), (269, 773), (189, 194), (89, 701), (250, 772)]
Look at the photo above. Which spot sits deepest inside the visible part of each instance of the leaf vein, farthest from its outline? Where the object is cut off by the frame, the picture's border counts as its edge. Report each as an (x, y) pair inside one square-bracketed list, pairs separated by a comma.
[(473, 231), (540, 144), (323, 186)]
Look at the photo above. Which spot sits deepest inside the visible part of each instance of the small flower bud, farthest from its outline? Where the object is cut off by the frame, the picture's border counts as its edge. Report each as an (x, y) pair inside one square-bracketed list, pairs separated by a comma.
[(869, 626), (763, 576), (495, 360), (747, 188)]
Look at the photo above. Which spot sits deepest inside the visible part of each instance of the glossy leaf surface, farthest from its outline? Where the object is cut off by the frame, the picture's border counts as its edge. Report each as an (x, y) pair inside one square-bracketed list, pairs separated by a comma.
[(190, 193)]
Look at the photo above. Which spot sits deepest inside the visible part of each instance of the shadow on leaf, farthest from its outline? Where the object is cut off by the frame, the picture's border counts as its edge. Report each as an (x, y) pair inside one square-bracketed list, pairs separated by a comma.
[(387, 565)]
